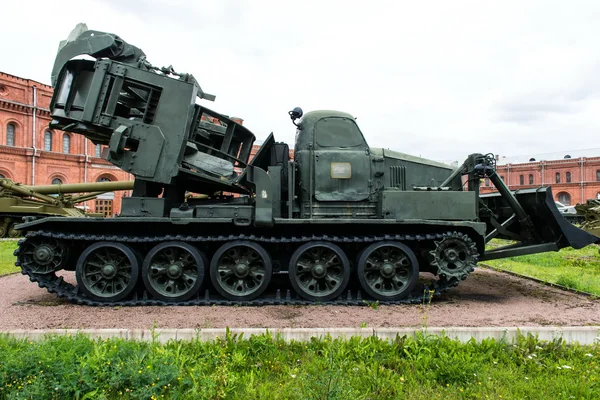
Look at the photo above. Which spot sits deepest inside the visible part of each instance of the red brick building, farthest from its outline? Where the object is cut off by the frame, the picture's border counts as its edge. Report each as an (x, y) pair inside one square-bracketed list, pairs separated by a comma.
[(32, 154), (574, 178)]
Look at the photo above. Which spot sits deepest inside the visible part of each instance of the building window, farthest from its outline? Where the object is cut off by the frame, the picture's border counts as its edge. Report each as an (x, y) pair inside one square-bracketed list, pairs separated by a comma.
[(57, 181), (521, 180), (564, 198), (502, 177), (48, 141), (598, 175), (104, 203), (487, 182), (558, 177), (105, 207), (10, 134), (98, 151), (2, 176), (531, 179), (568, 177), (66, 144)]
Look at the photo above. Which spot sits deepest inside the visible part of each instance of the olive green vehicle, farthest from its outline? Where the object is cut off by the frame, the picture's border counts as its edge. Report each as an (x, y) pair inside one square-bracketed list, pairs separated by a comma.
[(590, 212), (341, 223), (18, 201)]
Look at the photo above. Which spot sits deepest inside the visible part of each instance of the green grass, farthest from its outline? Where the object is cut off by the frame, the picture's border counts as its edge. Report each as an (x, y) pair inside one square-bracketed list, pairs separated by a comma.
[(266, 368), (7, 260), (576, 269)]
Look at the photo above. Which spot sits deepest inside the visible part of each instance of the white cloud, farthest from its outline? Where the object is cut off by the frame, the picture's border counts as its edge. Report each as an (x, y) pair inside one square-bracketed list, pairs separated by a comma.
[(433, 78)]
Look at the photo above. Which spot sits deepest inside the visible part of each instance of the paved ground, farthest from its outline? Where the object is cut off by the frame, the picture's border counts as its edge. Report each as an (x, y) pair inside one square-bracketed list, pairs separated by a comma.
[(486, 298)]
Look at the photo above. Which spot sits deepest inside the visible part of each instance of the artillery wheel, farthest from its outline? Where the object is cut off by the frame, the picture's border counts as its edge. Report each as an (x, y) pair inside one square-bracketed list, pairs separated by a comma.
[(42, 255), (173, 271), (107, 271), (241, 270), (319, 271), (388, 270)]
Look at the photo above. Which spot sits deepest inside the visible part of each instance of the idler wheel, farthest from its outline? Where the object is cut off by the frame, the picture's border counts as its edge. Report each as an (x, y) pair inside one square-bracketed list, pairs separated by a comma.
[(319, 271), (107, 271), (388, 270), (42, 255), (240, 270), (173, 271)]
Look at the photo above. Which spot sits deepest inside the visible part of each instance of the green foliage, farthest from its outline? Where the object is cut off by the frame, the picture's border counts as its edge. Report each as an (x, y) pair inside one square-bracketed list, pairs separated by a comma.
[(268, 367), (575, 269), (372, 304), (7, 259)]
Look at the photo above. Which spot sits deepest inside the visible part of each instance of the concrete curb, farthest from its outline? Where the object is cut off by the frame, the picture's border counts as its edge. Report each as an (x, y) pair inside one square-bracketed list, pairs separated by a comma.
[(584, 335)]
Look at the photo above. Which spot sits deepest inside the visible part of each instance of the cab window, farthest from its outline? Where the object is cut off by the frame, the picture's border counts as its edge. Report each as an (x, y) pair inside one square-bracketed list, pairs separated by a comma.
[(338, 132)]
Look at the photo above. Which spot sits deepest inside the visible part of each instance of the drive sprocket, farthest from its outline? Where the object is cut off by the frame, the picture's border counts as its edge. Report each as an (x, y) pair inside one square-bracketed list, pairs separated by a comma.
[(455, 256)]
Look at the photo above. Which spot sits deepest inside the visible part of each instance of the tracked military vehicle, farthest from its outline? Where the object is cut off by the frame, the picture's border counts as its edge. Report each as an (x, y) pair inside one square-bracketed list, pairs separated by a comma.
[(18, 201), (342, 222)]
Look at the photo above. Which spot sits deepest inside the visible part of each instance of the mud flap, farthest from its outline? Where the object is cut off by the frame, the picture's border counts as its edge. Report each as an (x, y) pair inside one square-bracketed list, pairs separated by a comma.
[(544, 230)]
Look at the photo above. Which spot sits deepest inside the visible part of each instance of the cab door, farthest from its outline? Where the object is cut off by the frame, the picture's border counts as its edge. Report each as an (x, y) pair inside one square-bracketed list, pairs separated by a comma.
[(342, 166)]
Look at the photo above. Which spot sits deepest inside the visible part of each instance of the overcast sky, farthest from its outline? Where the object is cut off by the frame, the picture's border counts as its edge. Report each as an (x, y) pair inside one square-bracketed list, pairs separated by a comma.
[(440, 79)]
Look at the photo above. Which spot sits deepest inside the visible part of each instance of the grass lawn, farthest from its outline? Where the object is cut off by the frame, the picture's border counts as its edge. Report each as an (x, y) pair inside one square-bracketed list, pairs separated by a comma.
[(265, 368), (576, 269), (7, 260)]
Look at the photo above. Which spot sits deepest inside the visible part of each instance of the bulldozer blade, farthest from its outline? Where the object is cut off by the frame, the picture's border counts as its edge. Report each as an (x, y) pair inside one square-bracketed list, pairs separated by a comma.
[(545, 225)]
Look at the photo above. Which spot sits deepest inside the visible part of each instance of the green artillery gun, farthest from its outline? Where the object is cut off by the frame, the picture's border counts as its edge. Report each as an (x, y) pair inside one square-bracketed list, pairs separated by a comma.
[(18, 201), (340, 223), (590, 212)]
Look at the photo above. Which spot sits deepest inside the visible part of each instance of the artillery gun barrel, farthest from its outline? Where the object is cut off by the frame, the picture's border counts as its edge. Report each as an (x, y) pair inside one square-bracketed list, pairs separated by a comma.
[(26, 191), (80, 187)]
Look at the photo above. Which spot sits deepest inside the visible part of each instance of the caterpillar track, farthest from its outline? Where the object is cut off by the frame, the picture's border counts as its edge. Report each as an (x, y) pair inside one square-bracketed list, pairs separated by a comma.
[(283, 295)]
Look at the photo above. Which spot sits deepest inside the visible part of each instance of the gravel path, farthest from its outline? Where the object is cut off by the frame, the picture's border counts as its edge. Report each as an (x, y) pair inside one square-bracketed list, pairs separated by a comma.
[(486, 298)]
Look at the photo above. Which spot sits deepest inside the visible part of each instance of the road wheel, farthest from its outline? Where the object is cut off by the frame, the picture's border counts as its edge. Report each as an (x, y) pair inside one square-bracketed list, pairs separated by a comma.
[(241, 270), (107, 271), (388, 270), (319, 271), (173, 271)]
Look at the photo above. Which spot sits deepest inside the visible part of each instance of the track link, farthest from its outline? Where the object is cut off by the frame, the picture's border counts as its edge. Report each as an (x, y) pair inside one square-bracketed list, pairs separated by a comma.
[(57, 285)]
